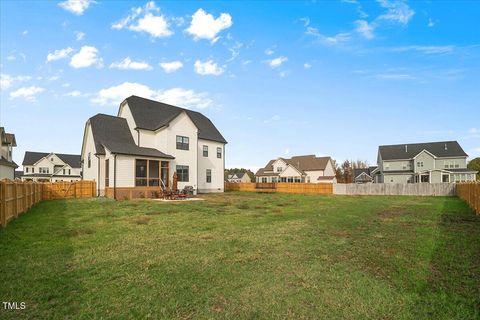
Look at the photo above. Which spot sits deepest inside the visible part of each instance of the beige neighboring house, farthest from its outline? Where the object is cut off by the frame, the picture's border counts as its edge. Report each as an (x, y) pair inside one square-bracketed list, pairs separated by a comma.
[(309, 169), (7, 165), (51, 167), (432, 162), (239, 177)]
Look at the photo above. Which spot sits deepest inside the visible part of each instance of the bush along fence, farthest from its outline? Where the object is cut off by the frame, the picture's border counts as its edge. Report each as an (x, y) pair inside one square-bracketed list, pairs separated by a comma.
[(317, 188), (470, 193), (18, 197)]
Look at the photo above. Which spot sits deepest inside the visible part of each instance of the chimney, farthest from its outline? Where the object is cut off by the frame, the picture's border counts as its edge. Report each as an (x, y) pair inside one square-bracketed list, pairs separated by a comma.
[(445, 147), (406, 148)]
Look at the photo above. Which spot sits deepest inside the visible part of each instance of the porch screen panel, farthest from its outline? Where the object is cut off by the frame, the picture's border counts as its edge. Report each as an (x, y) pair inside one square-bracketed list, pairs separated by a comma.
[(153, 173), (141, 173)]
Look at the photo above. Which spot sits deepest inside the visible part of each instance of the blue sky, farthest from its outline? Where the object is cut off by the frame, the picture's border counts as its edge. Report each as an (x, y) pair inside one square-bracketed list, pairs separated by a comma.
[(332, 78)]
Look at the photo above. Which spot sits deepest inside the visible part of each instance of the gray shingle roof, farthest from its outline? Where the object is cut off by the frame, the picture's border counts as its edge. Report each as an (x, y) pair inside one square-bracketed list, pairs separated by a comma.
[(410, 150), (5, 162), (301, 163), (152, 115), (73, 160), (114, 134), (7, 138)]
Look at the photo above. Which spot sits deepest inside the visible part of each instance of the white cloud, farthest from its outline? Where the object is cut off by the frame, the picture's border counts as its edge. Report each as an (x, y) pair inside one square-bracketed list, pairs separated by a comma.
[(66, 85), (394, 76), (305, 21), (364, 29), (128, 64), (171, 66), (307, 65), (77, 7), (86, 57), (74, 93), (328, 40), (25, 32), (287, 151), (11, 57), (277, 62), (235, 50), (59, 54), (6, 81), (205, 26), (208, 68), (431, 23), (53, 78), (425, 49), (176, 96), (397, 11), (28, 93), (79, 35), (272, 119), (143, 19), (269, 52)]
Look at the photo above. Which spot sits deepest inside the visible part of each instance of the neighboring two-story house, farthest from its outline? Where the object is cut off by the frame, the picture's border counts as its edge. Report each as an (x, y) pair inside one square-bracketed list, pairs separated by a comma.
[(238, 177), (433, 162), (142, 147), (309, 169), (364, 175), (7, 165), (51, 167)]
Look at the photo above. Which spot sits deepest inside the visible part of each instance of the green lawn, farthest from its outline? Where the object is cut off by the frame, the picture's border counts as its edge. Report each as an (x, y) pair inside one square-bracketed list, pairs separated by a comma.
[(244, 255)]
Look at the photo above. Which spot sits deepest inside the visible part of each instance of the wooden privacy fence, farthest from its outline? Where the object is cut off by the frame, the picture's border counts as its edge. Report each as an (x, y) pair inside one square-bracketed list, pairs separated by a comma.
[(18, 197), (317, 188), (470, 193)]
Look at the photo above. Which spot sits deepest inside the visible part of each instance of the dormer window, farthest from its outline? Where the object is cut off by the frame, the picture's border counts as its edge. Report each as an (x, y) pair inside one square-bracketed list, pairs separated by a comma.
[(279, 169)]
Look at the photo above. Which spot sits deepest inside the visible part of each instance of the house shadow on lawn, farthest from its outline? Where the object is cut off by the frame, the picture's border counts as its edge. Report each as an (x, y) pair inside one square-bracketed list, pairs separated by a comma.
[(452, 288), (38, 266)]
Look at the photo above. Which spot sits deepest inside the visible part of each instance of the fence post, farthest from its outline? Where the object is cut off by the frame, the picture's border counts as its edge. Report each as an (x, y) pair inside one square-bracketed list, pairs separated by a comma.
[(15, 200), (3, 203)]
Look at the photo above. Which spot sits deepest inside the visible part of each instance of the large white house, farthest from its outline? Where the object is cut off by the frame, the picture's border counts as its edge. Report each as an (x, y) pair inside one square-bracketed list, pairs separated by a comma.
[(309, 169), (51, 167), (146, 143), (7, 165)]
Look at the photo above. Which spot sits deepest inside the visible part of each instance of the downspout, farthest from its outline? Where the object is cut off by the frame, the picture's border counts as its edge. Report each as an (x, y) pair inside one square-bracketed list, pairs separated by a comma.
[(98, 175), (115, 177), (197, 163), (223, 172)]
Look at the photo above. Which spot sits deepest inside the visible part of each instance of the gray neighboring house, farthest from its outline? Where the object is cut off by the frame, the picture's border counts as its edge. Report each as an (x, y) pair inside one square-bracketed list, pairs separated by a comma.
[(239, 177), (433, 162), (364, 175), (7, 165)]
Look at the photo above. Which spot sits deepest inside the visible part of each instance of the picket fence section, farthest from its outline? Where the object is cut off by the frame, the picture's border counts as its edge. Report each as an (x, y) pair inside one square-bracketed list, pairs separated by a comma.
[(17, 197)]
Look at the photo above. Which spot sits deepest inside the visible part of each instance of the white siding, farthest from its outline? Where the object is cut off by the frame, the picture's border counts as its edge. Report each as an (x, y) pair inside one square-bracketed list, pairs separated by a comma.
[(124, 112), (313, 175), (290, 172), (89, 147), (6, 172), (213, 163), (183, 126)]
